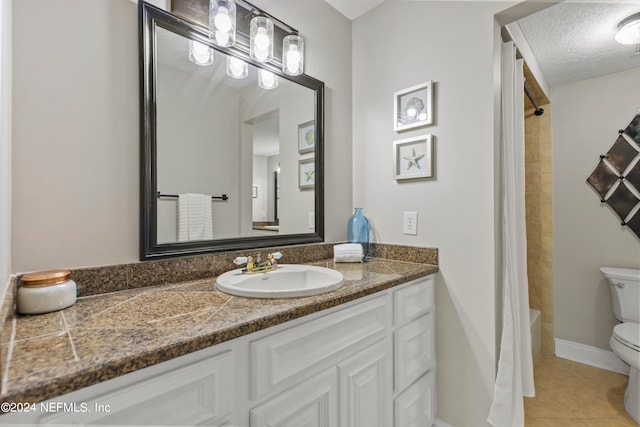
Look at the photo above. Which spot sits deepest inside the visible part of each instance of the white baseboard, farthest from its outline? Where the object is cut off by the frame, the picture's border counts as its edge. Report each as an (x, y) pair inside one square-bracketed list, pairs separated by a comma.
[(439, 423), (590, 355)]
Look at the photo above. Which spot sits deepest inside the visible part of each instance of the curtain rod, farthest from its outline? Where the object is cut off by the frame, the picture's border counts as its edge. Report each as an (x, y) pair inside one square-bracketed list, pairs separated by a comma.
[(539, 111)]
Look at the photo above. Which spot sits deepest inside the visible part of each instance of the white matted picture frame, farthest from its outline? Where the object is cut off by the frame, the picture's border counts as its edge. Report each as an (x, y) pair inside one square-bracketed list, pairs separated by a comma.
[(413, 158), (306, 173), (306, 137), (413, 107)]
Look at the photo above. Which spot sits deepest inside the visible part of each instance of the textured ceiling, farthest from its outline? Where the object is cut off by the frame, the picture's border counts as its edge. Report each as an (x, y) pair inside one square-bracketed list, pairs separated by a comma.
[(574, 41), (571, 41)]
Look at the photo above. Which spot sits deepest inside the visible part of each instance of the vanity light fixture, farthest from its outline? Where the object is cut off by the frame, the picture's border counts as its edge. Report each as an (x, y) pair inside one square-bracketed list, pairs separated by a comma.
[(629, 30), (293, 55), (222, 22), (237, 68), (261, 39), (267, 80), (200, 53)]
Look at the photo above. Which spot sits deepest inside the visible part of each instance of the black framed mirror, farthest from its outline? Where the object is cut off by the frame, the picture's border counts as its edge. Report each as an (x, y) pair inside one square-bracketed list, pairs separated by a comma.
[(215, 149)]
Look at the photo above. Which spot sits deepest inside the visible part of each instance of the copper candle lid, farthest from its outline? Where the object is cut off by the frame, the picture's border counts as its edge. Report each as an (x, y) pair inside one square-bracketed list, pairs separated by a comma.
[(45, 278)]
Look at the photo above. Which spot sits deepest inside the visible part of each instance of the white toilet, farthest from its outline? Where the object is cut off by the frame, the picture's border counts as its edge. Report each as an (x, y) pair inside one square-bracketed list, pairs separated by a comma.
[(625, 339)]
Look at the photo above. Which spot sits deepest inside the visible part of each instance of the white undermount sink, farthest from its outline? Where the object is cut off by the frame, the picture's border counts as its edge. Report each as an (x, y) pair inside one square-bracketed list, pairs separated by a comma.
[(287, 281)]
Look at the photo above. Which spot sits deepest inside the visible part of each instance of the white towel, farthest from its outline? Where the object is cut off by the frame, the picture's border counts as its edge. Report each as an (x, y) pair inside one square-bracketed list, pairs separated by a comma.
[(348, 252), (194, 217)]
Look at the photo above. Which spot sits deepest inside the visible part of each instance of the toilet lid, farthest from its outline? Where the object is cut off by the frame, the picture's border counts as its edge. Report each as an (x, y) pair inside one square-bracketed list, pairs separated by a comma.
[(628, 334)]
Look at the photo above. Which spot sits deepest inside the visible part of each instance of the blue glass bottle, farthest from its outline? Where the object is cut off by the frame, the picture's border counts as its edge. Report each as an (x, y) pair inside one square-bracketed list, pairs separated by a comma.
[(358, 230)]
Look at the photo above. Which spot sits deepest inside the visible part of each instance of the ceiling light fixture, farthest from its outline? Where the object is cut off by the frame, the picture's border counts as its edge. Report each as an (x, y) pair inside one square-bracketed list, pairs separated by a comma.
[(222, 22), (629, 30), (261, 39), (293, 55)]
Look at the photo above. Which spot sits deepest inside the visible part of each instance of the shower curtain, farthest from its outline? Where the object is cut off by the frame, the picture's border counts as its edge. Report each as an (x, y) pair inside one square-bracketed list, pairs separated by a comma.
[(515, 366)]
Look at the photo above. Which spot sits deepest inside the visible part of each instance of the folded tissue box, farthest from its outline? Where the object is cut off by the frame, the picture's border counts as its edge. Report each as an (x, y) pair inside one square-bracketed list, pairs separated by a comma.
[(348, 252)]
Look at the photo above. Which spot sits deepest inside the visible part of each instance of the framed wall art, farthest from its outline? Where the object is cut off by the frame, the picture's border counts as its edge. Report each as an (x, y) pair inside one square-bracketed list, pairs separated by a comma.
[(306, 137), (306, 173), (413, 107), (413, 158)]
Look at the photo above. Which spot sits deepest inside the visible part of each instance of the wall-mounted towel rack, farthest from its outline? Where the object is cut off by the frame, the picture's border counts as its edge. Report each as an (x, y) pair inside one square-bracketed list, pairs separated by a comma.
[(175, 196)]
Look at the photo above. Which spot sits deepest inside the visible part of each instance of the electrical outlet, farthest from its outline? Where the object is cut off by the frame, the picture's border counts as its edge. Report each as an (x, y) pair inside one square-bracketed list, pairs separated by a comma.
[(312, 220), (410, 223)]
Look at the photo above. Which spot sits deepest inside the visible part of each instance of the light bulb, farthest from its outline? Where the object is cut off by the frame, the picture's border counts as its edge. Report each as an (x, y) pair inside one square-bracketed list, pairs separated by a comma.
[(411, 112), (262, 39), (237, 68), (293, 59), (199, 53), (222, 20), (267, 80), (222, 38), (629, 32), (422, 117), (261, 55)]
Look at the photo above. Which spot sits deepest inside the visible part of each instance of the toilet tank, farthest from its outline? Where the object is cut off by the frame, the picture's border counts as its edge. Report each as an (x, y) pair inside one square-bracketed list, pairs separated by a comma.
[(625, 292)]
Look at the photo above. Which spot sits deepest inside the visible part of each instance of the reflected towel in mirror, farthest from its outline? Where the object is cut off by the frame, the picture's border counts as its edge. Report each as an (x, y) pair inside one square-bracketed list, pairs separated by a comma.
[(194, 217)]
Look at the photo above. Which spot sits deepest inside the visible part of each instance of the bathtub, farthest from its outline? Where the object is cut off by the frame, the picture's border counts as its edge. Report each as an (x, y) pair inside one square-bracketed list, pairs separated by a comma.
[(535, 320)]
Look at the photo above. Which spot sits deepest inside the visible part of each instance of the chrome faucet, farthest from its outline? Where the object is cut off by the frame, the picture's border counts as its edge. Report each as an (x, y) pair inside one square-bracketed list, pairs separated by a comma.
[(258, 265)]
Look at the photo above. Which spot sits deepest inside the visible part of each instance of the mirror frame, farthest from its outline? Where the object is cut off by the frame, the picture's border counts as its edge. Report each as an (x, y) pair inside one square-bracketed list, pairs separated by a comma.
[(150, 17)]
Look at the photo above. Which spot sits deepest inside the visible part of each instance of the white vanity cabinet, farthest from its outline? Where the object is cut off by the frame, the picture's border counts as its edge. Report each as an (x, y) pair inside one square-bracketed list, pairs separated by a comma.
[(366, 363)]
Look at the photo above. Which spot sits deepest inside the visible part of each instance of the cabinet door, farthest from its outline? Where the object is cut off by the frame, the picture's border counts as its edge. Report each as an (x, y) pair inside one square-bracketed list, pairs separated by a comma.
[(197, 394), (414, 350), (415, 407), (365, 385), (312, 403)]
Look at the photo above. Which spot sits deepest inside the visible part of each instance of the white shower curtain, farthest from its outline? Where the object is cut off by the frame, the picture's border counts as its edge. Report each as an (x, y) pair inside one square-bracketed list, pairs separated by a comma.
[(515, 367)]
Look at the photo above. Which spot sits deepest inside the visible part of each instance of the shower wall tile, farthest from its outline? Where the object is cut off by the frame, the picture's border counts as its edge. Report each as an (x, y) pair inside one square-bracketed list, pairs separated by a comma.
[(539, 219)]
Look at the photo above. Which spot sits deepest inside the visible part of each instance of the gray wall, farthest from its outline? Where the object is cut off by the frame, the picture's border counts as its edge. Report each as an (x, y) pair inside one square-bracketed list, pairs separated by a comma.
[(195, 153), (395, 46), (5, 142), (75, 126), (587, 235)]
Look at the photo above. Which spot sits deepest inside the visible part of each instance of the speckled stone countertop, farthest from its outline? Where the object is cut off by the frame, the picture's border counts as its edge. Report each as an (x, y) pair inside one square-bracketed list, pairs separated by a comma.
[(106, 335)]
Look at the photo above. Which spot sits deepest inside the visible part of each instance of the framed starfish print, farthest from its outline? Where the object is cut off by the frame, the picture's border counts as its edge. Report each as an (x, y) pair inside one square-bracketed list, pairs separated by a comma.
[(413, 158), (306, 173)]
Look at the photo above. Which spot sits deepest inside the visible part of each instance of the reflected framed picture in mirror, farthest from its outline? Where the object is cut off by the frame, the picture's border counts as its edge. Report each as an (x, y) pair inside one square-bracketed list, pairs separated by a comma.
[(413, 107), (306, 137), (306, 173)]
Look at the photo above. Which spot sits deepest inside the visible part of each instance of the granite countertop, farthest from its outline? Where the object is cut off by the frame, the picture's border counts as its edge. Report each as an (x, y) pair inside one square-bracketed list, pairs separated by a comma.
[(108, 335)]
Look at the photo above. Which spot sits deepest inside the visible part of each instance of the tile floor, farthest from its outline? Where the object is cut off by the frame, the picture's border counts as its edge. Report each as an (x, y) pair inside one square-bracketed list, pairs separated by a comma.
[(570, 394)]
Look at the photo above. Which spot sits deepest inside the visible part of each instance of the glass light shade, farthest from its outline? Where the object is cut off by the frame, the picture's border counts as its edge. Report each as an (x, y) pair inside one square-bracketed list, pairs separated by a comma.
[(200, 54), (629, 30), (267, 80), (261, 39), (237, 68), (222, 22), (293, 55)]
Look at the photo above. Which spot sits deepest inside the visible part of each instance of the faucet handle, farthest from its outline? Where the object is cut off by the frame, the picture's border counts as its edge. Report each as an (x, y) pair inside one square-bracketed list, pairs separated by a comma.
[(240, 260), (276, 255)]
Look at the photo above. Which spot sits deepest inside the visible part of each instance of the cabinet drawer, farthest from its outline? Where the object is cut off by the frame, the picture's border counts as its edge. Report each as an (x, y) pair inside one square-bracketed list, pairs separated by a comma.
[(414, 350), (282, 357), (197, 394), (413, 301), (415, 407)]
